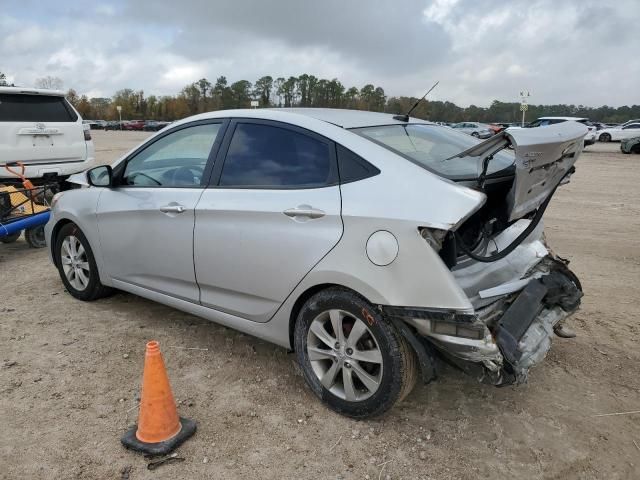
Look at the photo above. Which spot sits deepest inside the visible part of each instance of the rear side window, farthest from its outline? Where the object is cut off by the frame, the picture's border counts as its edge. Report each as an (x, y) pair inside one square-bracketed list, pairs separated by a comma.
[(353, 167), (35, 108), (271, 157)]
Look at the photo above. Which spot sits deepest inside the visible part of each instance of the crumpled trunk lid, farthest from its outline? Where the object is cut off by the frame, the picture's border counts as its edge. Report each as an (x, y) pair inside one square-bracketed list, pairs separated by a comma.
[(543, 157)]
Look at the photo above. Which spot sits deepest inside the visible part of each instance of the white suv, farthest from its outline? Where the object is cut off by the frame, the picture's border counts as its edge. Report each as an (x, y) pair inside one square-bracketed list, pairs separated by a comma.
[(40, 129)]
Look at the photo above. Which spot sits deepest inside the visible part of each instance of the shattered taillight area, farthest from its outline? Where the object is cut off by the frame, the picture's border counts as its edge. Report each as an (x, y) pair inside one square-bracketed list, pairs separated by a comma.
[(524, 331)]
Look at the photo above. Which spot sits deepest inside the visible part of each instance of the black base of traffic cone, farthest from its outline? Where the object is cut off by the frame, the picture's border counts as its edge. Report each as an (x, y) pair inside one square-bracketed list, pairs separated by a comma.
[(130, 440)]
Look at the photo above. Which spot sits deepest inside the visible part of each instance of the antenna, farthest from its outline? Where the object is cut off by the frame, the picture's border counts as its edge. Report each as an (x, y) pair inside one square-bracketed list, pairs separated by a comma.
[(405, 117)]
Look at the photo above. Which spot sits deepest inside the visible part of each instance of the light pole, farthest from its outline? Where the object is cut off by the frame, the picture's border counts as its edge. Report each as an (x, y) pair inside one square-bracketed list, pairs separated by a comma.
[(524, 94), (119, 108)]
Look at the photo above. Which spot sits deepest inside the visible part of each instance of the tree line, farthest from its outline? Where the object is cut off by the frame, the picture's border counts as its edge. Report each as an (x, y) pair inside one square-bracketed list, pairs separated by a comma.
[(309, 91)]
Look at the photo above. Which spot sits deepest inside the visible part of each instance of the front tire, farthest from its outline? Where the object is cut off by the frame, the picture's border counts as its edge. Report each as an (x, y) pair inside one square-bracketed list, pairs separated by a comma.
[(355, 361), (77, 265), (605, 137)]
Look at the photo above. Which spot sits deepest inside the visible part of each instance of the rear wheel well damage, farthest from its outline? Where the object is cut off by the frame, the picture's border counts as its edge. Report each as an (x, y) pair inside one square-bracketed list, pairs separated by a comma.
[(424, 351)]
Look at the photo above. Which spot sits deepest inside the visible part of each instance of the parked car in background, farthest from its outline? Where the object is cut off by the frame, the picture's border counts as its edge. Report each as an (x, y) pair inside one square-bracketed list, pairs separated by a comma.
[(628, 130), (628, 122), (113, 125), (154, 125), (133, 125), (284, 225), (42, 130), (630, 145), (95, 124), (496, 127), (475, 129), (589, 138)]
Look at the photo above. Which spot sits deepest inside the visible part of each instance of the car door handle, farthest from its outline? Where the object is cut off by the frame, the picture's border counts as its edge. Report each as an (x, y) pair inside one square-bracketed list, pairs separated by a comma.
[(172, 209), (304, 211)]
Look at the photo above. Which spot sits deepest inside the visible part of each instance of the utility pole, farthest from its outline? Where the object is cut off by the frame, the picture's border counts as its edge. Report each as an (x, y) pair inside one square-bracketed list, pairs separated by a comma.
[(524, 94)]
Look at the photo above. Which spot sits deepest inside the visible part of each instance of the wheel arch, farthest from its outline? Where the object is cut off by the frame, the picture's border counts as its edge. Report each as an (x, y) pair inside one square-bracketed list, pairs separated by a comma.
[(54, 234), (306, 295)]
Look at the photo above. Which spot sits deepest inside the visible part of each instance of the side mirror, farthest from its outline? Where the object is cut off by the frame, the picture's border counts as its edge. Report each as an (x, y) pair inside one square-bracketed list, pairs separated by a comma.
[(101, 176)]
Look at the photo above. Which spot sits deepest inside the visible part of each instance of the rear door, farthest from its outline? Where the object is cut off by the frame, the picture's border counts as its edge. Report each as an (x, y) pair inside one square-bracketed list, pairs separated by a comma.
[(146, 222), (630, 131), (272, 213), (39, 129)]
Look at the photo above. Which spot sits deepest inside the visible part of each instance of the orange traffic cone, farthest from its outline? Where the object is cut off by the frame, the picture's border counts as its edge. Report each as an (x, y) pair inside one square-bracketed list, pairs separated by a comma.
[(159, 429)]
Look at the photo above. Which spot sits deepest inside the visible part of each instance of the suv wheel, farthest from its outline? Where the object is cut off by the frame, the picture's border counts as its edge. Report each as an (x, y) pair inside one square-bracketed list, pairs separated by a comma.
[(351, 357), (77, 265)]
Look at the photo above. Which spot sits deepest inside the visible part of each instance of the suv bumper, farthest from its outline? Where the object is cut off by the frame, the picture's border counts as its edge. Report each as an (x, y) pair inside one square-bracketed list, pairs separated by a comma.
[(39, 173)]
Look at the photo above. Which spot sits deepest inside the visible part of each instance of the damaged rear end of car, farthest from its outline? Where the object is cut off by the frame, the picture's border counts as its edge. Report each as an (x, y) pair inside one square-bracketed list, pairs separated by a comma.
[(520, 290)]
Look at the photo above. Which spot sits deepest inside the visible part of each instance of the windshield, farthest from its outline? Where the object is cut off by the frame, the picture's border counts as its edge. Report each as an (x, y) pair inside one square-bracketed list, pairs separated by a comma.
[(430, 145)]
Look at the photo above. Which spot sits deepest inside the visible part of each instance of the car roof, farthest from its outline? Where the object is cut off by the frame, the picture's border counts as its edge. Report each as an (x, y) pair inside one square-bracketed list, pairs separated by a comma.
[(563, 118), (32, 91), (349, 118)]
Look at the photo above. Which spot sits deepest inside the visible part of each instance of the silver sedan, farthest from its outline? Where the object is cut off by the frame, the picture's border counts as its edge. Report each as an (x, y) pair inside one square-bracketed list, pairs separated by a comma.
[(372, 245)]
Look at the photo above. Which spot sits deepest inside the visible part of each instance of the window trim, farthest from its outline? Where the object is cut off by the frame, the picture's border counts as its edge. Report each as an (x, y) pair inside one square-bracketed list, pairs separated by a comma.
[(216, 174), (119, 170), (372, 170)]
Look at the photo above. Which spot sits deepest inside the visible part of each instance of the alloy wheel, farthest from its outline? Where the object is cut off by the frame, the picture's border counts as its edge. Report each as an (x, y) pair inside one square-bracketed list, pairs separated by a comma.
[(75, 263), (344, 355)]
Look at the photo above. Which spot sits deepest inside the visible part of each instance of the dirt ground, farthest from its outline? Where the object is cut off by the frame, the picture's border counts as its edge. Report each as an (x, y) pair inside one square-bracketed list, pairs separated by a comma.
[(70, 374)]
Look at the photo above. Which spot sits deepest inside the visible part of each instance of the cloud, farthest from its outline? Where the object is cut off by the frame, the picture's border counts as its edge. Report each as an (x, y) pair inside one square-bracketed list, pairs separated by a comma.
[(575, 51)]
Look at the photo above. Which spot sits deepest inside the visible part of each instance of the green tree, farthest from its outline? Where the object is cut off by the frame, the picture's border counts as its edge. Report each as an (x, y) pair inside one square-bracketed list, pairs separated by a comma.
[(205, 87), (289, 91), (241, 91), (351, 98), (262, 90)]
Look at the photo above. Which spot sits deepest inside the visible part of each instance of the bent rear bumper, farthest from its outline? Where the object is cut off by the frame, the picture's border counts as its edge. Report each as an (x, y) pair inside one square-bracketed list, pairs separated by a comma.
[(515, 331)]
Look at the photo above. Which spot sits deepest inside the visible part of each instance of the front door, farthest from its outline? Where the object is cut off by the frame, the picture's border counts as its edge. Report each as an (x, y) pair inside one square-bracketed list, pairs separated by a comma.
[(146, 221), (271, 215)]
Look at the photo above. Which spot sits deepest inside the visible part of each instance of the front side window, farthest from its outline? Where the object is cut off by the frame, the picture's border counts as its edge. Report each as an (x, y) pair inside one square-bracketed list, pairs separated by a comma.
[(267, 156), (431, 145), (176, 160), (633, 126)]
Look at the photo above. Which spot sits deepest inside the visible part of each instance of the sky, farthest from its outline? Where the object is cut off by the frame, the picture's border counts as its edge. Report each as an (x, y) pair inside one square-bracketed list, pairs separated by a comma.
[(582, 52)]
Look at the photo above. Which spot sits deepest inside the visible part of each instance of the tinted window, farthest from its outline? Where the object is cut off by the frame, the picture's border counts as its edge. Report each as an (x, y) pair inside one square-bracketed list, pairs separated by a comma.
[(352, 167), (176, 160), (633, 125), (268, 156), (35, 108)]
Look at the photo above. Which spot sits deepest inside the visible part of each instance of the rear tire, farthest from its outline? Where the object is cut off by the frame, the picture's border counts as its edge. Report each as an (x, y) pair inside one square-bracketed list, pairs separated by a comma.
[(77, 265), (605, 137), (35, 237), (361, 372), (10, 238)]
